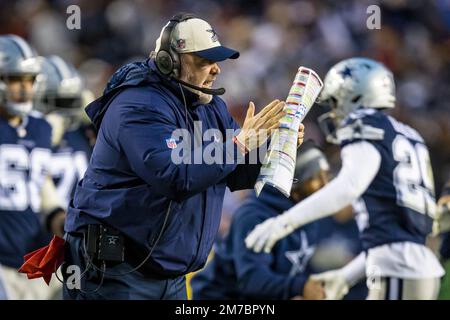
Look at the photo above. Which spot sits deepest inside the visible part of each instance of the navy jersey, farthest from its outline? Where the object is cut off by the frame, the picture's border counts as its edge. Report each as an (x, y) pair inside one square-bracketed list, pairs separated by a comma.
[(70, 161), (445, 246), (400, 202), (24, 155)]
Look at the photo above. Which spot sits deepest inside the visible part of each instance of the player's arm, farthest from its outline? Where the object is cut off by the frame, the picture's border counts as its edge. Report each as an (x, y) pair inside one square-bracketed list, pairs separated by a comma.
[(338, 282), (360, 164), (52, 208)]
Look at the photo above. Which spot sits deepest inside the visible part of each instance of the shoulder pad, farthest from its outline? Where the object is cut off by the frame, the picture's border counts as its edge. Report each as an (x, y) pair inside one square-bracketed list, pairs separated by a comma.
[(36, 114), (358, 130)]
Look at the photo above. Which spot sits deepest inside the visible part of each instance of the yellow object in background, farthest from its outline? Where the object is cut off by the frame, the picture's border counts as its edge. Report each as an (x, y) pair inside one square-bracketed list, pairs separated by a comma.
[(190, 275), (188, 285)]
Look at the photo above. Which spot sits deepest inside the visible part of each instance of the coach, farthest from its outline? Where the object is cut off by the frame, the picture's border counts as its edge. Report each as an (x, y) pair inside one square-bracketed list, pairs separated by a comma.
[(139, 221)]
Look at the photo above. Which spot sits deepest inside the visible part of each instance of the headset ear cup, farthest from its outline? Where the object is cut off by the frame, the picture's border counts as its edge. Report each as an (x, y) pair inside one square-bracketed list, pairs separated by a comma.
[(164, 62), (167, 59)]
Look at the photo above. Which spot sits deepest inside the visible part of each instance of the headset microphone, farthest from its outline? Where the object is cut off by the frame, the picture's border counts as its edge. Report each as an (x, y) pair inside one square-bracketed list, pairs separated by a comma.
[(214, 92)]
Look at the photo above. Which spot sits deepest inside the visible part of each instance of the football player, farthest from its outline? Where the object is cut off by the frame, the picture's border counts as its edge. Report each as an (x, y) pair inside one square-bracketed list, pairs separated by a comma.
[(27, 195), (386, 165), (61, 96)]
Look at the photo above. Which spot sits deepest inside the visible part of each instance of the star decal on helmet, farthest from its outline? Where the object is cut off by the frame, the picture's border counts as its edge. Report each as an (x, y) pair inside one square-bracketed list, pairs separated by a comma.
[(347, 72)]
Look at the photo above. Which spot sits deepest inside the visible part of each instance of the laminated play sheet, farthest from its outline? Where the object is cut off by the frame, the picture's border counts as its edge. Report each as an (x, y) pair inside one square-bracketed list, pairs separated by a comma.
[(279, 163)]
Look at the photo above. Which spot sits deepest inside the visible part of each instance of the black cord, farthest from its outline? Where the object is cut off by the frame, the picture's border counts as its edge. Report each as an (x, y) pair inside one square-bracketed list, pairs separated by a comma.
[(185, 106), (90, 262), (56, 272), (102, 272), (82, 275)]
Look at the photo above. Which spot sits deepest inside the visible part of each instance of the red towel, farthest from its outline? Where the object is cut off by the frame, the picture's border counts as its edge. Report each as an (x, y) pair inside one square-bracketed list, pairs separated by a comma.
[(45, 261)]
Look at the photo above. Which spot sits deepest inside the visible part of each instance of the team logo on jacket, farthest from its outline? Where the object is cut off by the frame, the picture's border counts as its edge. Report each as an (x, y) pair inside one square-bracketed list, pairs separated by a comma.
[(171, 143)]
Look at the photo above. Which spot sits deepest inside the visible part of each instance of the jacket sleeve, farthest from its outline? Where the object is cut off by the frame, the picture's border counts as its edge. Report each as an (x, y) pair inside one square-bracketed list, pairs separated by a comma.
[(244, 175), (151, 142), (255, 277)]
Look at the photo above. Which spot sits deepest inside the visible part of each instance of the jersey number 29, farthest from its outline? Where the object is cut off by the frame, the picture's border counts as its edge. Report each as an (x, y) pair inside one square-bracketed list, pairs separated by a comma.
[(413, 176)]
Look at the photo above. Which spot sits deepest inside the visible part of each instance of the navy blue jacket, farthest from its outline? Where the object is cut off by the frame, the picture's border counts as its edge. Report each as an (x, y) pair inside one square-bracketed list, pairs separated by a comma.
[(131, 182), (238, 273)]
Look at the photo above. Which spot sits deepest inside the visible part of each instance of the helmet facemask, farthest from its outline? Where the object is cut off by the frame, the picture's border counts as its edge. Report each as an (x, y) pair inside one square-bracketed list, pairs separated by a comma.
[(67, 107), (329, 122), (60, 92)]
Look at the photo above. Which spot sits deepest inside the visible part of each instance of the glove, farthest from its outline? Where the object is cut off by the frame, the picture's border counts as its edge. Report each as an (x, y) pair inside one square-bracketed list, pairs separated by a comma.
[(335, 285), (441, 221), (266, 234)]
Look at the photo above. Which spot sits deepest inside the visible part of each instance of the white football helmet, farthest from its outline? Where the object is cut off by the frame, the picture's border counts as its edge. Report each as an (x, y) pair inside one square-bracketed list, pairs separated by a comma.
[(17, 59), (60, 90), (351, 84)]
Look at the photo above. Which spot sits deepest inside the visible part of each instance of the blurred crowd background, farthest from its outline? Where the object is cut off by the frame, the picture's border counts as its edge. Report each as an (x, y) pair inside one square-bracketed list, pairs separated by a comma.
[(274, 38)]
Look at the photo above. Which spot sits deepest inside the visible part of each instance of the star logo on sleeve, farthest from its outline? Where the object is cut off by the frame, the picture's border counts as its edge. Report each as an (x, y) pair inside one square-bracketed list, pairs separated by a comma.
[(301, 257)]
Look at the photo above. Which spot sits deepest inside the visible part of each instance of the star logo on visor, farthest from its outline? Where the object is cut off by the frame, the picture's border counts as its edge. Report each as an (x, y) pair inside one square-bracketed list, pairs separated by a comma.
[(214, 36)]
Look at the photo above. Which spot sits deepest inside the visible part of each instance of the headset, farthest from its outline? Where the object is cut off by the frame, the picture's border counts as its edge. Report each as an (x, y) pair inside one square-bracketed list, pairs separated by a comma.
[(167, 60)]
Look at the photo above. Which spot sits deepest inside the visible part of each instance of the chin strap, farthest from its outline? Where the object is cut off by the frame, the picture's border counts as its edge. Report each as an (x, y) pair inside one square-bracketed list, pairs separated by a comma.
[(19, 108)]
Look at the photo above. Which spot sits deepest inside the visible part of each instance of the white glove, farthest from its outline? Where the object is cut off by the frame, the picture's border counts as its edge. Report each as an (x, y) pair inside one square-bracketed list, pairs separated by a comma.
[(335, 285), (441, 221), (266, 234)]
